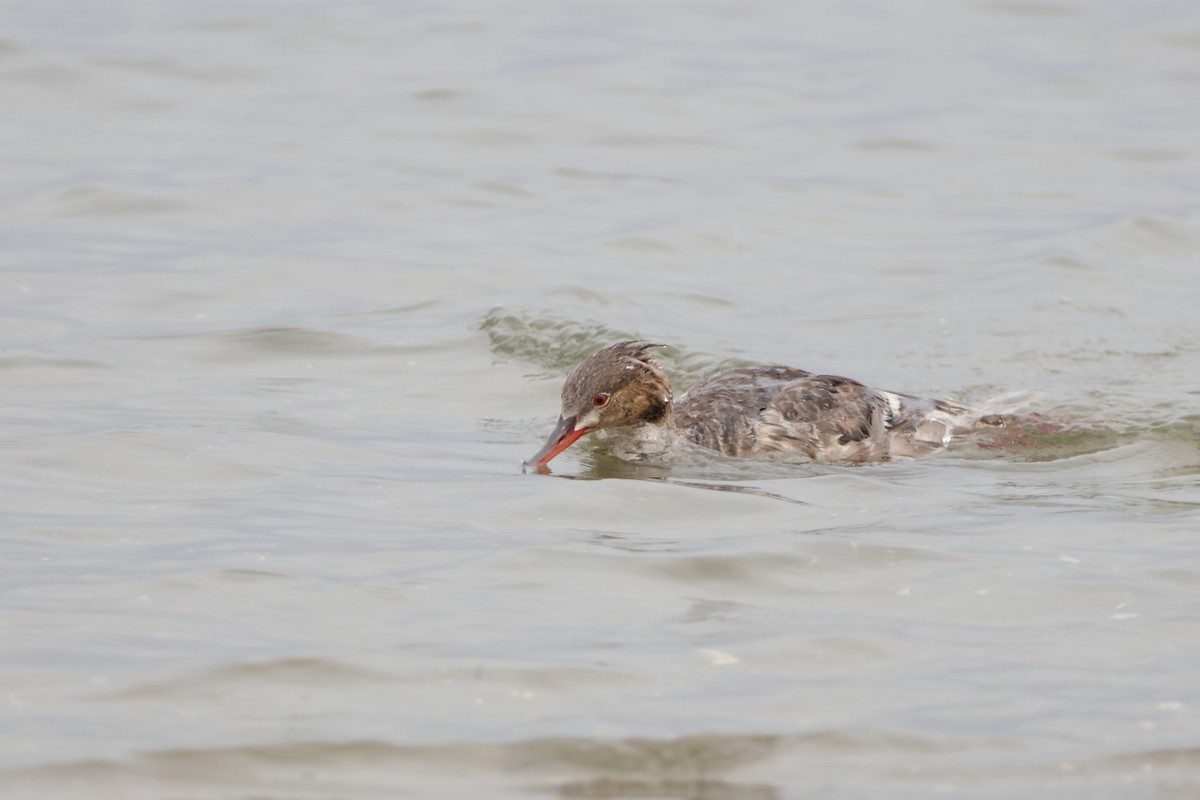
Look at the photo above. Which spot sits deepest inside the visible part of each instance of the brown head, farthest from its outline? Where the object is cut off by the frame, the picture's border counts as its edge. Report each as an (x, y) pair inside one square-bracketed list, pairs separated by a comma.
[(619, 386)]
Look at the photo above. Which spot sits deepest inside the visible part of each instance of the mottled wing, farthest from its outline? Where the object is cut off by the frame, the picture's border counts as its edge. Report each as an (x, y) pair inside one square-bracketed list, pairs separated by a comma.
[(723, 412), (827, 418), (838, 420), (785, 414)]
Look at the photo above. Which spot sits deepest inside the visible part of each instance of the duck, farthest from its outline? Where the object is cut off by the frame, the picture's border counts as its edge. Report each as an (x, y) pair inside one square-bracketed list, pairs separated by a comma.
[(766, 413)]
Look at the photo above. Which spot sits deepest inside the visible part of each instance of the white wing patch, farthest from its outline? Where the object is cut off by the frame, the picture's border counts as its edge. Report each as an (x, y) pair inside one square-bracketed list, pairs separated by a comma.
[(893, 401)]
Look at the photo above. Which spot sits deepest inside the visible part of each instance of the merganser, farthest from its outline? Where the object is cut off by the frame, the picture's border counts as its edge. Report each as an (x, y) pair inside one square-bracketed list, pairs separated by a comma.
[(773, 413)]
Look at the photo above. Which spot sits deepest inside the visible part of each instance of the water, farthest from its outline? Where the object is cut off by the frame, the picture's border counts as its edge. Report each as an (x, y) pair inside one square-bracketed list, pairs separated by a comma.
[(289, 291)]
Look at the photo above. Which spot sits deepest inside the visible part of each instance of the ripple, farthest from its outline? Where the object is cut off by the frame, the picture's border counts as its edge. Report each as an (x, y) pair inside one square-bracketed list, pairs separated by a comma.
[(1030, 9), (1150, 155), (93, 201), (634, 140), (1038, 437), (220, 681), (594, 175), (569, 766), (896, 145), (37, 362), (1140, 236), (554, 344), (171, 68), (254, 344), (47, 75)]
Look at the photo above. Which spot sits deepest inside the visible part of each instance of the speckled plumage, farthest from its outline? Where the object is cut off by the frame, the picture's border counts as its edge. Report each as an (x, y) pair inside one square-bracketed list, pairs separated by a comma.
[(767, 413)]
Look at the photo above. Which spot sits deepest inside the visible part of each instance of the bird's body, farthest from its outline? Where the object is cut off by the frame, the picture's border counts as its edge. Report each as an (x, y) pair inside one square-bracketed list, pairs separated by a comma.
[(765, 413)]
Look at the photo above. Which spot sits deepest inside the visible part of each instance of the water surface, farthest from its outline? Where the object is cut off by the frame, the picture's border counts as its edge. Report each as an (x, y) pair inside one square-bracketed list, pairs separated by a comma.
[(290, 291)]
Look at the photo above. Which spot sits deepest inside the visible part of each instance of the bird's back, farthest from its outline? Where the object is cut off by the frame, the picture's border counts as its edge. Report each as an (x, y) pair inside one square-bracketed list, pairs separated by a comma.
[(787, 414)]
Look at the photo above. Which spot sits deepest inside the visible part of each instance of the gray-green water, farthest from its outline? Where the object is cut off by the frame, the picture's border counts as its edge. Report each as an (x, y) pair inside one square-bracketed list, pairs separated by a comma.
[(290, 289)]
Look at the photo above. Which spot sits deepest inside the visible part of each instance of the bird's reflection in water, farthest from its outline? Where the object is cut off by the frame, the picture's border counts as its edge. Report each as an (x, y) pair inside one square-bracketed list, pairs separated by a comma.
[(719, 477)]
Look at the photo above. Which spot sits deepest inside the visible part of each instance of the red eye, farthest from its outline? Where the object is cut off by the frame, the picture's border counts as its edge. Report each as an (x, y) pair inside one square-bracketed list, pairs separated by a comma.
[(600, 400)]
